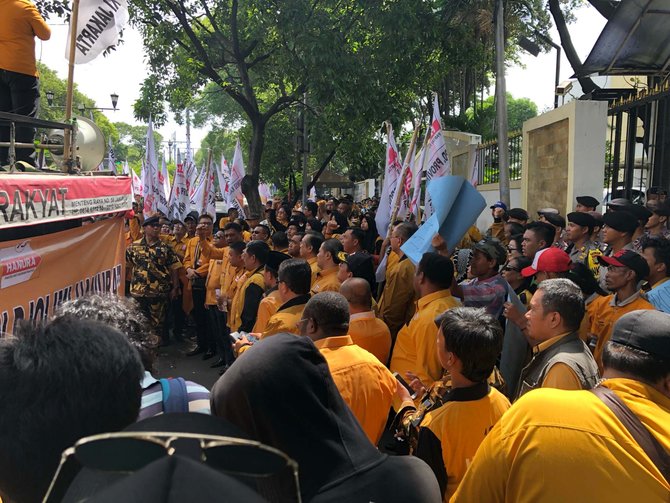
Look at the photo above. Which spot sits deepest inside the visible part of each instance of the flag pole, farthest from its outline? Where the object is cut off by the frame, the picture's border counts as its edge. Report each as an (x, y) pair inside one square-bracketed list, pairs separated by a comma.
[(205, 193), (68, 140), (420, 173)]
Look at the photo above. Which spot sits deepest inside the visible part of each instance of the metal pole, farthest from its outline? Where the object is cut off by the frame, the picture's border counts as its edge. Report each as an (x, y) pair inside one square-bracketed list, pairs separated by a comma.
[(305, 151), (501, 105), (558, 71), (67, 136)]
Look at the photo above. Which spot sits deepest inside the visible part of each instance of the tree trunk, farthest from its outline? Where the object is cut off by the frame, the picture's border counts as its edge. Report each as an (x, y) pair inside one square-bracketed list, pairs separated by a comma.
[(251, 179)]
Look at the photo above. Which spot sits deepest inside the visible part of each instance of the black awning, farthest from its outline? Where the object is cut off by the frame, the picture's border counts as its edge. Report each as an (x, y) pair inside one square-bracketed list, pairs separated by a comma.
[(635, 41)]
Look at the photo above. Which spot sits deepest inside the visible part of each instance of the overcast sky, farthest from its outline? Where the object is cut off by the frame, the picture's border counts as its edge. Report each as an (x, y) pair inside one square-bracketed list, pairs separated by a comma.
[(123, 70)]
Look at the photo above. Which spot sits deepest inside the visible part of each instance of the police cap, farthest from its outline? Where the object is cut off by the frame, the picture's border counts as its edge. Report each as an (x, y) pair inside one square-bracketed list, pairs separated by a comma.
[(621, 221), (588, 201), (153, 221), (582, 219)]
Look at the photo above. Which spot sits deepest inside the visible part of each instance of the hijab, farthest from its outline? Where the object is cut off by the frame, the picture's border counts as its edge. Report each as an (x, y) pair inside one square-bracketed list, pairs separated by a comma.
[(281, 393)]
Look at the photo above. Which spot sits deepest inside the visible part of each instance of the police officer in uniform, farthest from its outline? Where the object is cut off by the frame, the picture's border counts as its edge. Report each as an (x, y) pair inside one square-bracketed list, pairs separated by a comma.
[(155, 273), (581, 248)]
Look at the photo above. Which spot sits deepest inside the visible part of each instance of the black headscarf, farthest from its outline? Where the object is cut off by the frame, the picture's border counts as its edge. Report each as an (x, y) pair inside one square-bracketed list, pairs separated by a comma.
[(341, 220), (371, 235), (281, 393)]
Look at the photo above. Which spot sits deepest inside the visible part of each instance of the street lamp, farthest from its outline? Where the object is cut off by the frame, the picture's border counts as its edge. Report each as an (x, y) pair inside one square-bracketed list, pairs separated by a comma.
[(115, 100), (50, 97)]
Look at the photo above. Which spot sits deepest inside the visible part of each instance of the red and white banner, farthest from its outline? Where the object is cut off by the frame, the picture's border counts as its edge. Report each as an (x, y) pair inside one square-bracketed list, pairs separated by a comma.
[(34, 199), (392, 174), (37, 274), (235, 197), (438, 159)]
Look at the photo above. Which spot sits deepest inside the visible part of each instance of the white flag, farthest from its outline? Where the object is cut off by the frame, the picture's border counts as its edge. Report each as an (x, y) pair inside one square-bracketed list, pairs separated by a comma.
[(126, 168), (179, 200), (264, 192), (392, 173), (137, 184), (98, 27), (312, 193), (164, 180), (438, 160), (235, 197), (416, 192), (154, 199), (223, 174), (474, 172), (111, 157)]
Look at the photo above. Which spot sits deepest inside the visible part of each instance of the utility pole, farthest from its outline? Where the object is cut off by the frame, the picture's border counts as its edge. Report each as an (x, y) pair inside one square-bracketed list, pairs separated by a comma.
[(501, 105), (305, 150)]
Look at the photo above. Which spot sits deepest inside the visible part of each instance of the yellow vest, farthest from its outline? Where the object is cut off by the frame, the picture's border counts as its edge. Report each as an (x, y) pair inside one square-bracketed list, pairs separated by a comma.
[(254, 278)]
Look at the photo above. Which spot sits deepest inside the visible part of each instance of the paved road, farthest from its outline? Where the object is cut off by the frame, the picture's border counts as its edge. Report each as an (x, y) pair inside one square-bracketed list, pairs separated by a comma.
[(172, 362)]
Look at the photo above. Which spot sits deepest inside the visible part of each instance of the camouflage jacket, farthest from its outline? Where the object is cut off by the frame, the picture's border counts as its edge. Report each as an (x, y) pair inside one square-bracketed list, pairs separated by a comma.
[(151, 268)]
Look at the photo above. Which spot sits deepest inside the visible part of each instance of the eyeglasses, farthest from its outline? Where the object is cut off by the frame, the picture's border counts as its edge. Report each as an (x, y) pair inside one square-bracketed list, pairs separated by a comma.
[(265, 467)]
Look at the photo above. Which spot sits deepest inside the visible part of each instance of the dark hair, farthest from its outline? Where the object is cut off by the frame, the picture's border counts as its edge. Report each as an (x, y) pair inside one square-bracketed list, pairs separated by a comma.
[(239, 246), (341, 220), (265, 228), (406, 230), (332, 246), (544, 231), (243, 223), (233, 226), (258, 249), (358, 234), (661, 248), (312, 206), (518, 239), (515, 228), (296, 275), (564, 297), (205, 215), (581, 275), (475, 337), (59, 382), (371, 234), (647, 367), (122, 313), (314, 240), (329, 310), (279, 240), (437, 269), (315, 224)]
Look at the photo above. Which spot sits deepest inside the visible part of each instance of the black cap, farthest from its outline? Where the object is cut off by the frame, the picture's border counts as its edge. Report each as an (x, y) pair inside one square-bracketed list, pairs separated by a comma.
[(359, 263), (588, 201), (627, 258), (656, 190), (658, 207), (640, 212), (275, 259), (555, 219), (193, 215), (620, 203), (621, 221), (155, 220), (583, 219), (518, 213), (646, 330)]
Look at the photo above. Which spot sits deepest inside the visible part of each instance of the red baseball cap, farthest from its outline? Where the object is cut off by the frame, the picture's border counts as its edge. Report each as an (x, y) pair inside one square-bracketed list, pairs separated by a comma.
[(550, 259)]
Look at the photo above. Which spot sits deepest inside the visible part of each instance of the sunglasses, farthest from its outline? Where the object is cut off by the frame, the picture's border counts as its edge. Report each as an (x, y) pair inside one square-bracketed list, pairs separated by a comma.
[(508, 269), (265, 469)]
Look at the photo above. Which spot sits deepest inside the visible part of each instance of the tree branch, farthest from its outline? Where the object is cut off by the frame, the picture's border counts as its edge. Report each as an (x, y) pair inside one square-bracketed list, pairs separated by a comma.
[(586, 82)]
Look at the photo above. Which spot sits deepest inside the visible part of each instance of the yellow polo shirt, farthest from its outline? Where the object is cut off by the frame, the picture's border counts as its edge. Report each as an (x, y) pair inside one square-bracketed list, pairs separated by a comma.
[(266, 309), (415, 348), (326, 281), (371, 334), (396, 304), (314, 267), (365, 384), (604, 312), (450, 435), (556, 445), (286, 318)]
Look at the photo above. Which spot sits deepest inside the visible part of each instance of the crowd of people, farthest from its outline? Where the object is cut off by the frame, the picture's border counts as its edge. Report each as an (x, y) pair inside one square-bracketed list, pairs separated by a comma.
[(531, 363)]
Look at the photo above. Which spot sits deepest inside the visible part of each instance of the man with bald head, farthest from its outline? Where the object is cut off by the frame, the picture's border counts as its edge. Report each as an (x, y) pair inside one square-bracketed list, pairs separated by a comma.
[(365, 329)]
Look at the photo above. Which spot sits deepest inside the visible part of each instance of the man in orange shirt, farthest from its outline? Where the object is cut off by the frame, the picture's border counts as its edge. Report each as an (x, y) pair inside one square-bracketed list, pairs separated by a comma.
[(365, 384), (309, 248), (329, 261), (365, 329), (20, 23), (415, 353), (272, 298), (625, 270)]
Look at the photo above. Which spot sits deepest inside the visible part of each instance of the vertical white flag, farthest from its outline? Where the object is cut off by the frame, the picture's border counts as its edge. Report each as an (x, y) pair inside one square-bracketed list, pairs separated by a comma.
[(164, 179), (223, 174), (179, 200), (474, 172), (154, 199), (392, 174), (235, 197), (438, 160), (111, 157), (98, 27), (416, 192)]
